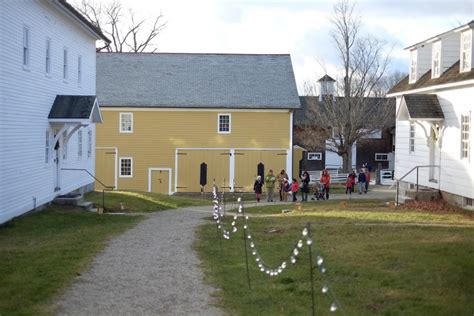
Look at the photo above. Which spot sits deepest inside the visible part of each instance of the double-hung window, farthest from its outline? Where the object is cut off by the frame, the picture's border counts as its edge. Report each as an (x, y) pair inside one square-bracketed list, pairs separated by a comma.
[(48, 57), (381, 157), (466, 53), (413, 60), (223, 123), (126, 167), (26, 46), (465, 136), (65, 64), (126, 122), (436, 60), (412, 137)]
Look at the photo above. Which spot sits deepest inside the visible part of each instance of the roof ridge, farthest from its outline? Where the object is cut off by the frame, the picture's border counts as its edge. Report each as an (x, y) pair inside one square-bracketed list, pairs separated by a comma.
[(190, 53)]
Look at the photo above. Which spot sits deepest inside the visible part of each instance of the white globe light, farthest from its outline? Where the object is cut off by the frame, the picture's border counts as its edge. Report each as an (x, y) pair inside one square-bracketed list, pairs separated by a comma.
[(319, 260), (305, 231), (234, 229), (300, 243), (333, 307), (325, 289), (292, 259), (295, 252), (252, 245), (309, 242)]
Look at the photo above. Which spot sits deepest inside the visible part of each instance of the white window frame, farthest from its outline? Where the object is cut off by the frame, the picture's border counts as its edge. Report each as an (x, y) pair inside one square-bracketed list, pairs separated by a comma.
[(79, 143), (120, 167), (466, 51), (466, 136), (377, 156), (121, 114), (89, 143), (47, 61), (79, 70), (47, 147), (411, 137), (314, 156), (436, 60), (65, 64), (219, 123), (413, 66), (26, 47)]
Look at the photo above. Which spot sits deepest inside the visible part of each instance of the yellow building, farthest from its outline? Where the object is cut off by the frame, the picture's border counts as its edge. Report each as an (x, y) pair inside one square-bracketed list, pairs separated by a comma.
[(179, 122)]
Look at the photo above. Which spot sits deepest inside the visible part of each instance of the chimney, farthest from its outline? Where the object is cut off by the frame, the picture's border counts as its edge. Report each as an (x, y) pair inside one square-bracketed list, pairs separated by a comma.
[(326, 87)]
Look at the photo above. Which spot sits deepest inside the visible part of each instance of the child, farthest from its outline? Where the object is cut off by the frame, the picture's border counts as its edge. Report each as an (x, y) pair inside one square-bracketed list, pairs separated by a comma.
[(286, 188), (257, 187), (294, 189), (350, 183)]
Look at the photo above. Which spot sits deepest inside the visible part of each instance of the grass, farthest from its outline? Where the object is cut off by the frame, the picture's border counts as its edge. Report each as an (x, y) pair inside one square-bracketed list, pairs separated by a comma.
[(141, 201), (41, 253), (379, 260)]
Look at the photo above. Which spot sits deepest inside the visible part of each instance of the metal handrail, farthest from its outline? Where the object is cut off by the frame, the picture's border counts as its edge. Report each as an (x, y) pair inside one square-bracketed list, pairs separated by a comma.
[(417, 177), (106, 187)]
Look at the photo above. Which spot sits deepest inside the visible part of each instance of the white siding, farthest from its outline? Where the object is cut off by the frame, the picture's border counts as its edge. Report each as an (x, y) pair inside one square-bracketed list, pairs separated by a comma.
[(449, 51), (27, 97), (456, 175), (423, 63)]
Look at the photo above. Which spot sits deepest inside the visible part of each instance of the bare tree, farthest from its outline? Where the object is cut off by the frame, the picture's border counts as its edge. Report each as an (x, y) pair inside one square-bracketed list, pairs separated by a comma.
[(357, 113), (127, 34)]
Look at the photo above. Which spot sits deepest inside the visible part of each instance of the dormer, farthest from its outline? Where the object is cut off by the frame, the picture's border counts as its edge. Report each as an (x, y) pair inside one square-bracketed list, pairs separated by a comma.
[(326, 87), (466, 47), (420, 61)]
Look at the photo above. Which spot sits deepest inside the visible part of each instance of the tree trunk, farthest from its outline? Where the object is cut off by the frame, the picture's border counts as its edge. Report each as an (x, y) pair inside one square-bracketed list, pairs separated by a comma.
[(347, 159)]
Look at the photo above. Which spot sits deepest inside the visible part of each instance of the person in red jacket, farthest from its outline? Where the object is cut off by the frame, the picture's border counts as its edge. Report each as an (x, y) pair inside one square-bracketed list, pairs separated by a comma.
[(294, 189), (367, 180), (326, 181), (350, 182)]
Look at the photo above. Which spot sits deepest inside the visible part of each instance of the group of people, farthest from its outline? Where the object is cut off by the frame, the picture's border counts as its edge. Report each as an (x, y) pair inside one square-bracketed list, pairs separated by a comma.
[(363, 179), (285, 187)]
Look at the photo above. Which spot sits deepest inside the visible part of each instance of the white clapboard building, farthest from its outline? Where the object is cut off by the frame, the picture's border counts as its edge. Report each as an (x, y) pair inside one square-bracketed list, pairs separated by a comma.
[(47, 103), (435, 104)]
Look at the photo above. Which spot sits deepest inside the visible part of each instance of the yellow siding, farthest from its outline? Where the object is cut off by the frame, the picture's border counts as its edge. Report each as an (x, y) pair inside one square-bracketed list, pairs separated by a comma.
[(105, 168), (160, 181), (157, 134)]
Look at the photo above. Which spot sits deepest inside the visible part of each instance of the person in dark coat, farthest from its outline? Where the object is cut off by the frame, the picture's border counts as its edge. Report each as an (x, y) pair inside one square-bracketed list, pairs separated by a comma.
[(257, 187), (361, 179), (305, 186)]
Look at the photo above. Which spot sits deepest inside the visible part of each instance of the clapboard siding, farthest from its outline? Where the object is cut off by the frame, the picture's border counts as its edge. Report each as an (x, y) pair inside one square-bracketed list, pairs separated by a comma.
[(26, 99), (450, 51), (456, 174)]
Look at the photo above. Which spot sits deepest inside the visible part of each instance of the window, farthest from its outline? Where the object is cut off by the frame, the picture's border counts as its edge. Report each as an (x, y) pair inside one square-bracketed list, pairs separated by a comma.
[(413, 57), (375, 134), (126, 122), (64, 148), (466, 45), (47, 147), (468, 202), (89, 143), (126, 165), (65, 64), (48, 56), (412, 137), (465, 139), (315, 156), (223, 122), (436, 60), (79, 143), (26, 46), (79, 70), (381, 157)]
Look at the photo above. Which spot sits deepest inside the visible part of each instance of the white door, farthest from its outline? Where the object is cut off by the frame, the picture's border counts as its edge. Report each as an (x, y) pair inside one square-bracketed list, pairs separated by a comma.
[(433, 157)]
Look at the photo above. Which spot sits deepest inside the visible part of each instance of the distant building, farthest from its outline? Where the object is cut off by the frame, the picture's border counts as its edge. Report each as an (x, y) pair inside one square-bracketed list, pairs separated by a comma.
[(48, 107), (434, 116), (178, 122), (375, 151)]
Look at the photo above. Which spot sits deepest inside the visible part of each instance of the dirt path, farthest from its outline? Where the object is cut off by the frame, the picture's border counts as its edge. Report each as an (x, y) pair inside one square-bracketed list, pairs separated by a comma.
[(149, 270)]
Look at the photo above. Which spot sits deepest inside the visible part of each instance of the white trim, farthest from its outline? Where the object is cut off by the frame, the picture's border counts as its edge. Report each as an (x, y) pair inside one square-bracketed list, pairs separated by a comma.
[(289, 156), (150, 170), (120, 123), (115, 162), (469, 50), (176, 170), (221, 148), (120, 167), (232, 169), (161, 109), (436, 49), (219, 123), (431, 88), (66, 120)]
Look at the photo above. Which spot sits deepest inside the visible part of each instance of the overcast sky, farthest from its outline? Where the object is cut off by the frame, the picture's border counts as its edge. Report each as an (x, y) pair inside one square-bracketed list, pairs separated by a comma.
[(298, 27)]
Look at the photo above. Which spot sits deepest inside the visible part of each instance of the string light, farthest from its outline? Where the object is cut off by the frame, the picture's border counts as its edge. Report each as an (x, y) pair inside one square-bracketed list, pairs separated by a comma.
[(300, 244), (333, 307), (325, 289)]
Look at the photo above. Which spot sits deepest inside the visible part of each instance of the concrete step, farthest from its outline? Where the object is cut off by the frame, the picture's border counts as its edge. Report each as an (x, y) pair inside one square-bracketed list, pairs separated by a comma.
[(86, 205), (69, 199), (425, 194), (402, 199)]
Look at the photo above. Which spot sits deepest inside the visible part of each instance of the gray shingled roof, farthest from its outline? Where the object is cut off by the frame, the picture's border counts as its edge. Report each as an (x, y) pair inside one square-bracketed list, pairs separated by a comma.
[(423, 106), (72, 107), (196, 80)]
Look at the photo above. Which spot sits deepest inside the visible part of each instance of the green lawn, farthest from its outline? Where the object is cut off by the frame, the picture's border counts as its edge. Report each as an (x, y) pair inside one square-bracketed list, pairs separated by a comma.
[(141, 201), (379, 261), (41, 253)]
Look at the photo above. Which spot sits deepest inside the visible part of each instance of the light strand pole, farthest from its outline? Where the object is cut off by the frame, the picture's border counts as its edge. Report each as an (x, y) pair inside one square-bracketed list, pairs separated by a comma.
[(309, 241), (245, 245)]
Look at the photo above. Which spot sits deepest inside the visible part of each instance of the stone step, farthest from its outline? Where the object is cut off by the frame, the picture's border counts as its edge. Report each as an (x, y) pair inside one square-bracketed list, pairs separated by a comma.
[(69, 199), (86, 205)]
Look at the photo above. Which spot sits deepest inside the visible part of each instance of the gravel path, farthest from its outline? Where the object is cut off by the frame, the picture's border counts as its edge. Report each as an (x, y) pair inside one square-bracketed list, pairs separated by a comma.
[(149, 270)]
